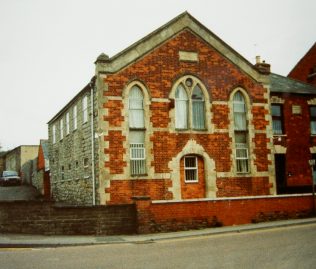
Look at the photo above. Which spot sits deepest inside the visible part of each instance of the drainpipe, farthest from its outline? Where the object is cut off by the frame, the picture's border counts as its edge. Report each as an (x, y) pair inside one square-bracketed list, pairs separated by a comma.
[(92, 141)]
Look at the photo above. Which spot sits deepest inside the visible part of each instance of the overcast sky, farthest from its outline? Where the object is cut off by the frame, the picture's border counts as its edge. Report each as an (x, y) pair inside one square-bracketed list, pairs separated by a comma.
[(48, 48)]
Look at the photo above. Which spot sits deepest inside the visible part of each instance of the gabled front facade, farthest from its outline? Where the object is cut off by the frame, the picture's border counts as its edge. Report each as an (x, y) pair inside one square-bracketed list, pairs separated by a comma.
[(178, 115)]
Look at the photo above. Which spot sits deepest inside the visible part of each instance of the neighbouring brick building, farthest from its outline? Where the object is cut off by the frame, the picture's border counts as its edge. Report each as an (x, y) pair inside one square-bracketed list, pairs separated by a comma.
[(293, 110), (178, 115), (305, 69)]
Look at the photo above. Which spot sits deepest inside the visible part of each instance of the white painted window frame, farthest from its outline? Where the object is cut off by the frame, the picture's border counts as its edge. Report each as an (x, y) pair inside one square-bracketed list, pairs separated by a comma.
[(191, 168)]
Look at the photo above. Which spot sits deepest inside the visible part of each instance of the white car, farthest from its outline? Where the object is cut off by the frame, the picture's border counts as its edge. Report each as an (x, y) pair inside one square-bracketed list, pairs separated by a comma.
[(10, 177)]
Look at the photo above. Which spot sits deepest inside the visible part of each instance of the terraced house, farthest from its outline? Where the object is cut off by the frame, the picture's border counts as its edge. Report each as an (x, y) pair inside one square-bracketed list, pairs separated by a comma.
[(178, 115)]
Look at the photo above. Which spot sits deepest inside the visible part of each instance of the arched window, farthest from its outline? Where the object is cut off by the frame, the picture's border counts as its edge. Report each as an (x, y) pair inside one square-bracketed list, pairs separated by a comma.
[(181, 108), (137, 131), (136, 108), (198, 111), (189, 105), (240, 120), (241, 133)]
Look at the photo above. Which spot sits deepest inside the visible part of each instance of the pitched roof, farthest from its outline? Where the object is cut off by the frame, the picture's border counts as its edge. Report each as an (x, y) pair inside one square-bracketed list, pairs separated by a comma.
[(164, 33), (283, 84)]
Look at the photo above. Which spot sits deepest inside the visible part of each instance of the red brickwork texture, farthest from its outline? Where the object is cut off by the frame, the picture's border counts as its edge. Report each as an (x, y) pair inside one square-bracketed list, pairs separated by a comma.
[(122, 191), (297, 141), (242, 186), (175, 216), (158, 71)]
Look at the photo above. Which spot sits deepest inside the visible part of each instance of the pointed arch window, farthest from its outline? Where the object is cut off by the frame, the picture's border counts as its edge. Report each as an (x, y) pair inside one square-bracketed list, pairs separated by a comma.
[(189, 105), (241, 133), (136, 108)]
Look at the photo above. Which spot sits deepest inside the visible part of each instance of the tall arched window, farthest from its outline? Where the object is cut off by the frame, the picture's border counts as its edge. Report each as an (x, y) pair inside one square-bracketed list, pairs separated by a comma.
[(241, 133), (137, 131), (198, 110), (189, 105), (181, 108), (136, 108)]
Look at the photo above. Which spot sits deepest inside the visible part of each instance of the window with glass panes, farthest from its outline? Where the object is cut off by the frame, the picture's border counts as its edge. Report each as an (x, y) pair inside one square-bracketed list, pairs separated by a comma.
[(85, 109), (189, 105), (191, 169), (61, 129), (241, 133), (67, 123), (312, 110), (277, 119), (137, 131), (74, 117)]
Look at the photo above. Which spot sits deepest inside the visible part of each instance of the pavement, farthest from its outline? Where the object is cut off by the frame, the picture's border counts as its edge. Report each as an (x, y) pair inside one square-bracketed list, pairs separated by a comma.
[(52, 241)]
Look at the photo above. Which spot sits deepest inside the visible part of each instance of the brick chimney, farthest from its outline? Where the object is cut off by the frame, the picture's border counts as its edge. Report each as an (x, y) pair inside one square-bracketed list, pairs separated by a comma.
[(262, 67)]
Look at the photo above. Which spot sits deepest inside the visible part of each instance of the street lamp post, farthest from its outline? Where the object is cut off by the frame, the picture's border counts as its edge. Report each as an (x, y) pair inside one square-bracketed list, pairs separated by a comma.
[(312, 163)]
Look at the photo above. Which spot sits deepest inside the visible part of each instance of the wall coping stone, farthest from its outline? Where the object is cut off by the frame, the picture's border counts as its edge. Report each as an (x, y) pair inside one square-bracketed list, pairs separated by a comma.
[(231, 198)]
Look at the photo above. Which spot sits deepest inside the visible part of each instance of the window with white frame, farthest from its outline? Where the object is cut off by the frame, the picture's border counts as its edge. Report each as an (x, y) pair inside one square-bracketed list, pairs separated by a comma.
[(312, 110), (191, 169), (54, 134), (85, 109), (189, 105), (137, 131), (136, 108), (137, 152), (241, 133), (240, 119), (75, 117), (61, 129), (67, 123), (242, 155), (277, 119)]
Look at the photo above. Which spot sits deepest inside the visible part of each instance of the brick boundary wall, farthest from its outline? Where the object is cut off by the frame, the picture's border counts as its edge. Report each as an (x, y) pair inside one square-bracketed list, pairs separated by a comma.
[(38, 217), (146, 216), (167, 216)]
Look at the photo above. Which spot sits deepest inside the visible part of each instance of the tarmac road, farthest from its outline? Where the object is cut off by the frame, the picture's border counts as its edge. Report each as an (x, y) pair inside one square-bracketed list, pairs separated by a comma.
[(20, 192), (284, 247)]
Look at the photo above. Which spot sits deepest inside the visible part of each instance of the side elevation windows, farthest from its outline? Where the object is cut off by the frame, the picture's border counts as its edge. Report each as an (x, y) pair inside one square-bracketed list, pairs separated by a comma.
[(189, 105), (84, 109), (61, 129), (54, 134), (241, 133), (75, 117)]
